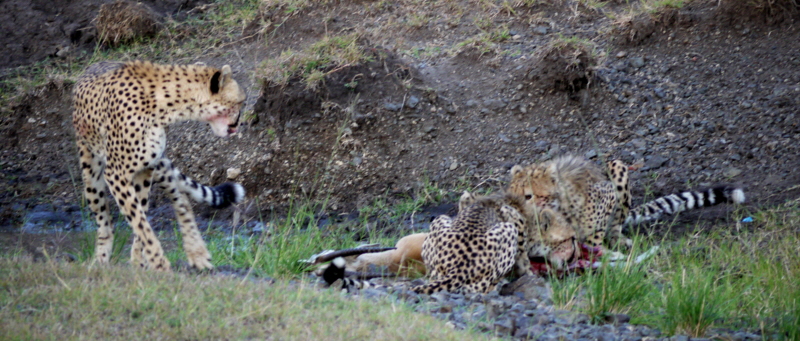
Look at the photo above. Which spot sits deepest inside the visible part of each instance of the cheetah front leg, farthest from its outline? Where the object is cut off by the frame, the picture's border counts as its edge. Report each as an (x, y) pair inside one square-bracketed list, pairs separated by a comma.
[(522, 263), (92, 166), (196, 252), (141, 185), (122, 187)]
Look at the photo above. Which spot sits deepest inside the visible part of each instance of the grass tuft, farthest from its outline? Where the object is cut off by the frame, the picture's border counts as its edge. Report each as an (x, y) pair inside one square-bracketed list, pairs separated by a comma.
[(693, 302), (311, 65)]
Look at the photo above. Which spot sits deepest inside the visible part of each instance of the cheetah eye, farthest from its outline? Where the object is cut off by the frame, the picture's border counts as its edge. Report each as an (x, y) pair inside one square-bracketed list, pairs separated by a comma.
[(528, 197)]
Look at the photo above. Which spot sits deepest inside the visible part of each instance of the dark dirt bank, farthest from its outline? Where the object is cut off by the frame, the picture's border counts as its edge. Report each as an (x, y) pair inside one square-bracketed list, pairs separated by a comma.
[(700, 95)]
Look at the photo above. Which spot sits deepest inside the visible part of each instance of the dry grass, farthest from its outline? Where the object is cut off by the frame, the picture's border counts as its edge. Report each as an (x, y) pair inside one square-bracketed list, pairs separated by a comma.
[(312, 64), (48, 300), (565, 64), (123, 21)]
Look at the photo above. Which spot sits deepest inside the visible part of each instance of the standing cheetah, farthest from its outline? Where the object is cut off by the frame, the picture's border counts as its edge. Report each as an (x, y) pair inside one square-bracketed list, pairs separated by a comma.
[(121, 111)]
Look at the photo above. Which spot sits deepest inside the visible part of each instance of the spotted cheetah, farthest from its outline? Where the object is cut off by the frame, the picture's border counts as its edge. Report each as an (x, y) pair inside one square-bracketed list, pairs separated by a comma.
[(489, 237), (121, 112), (597, 203)]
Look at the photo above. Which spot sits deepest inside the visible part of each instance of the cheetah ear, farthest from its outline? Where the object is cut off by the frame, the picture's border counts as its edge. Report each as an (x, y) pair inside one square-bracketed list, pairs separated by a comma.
[(220, 78), (215, 83), (466, 199), (227, 74), (546, 217), (515, 170)]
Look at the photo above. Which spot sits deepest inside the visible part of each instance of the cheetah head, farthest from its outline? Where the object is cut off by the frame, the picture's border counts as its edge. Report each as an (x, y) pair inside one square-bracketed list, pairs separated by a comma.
[(558, 243), (224, 104), (536, 184)]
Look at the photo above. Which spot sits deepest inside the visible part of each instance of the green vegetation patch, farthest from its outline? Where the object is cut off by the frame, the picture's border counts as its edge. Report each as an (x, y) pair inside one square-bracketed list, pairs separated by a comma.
[(735, 277), (48, 301), (311, 65)]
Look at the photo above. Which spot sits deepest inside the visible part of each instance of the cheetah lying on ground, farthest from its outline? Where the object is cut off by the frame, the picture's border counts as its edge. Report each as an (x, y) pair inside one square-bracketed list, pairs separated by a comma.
[(597, 203), (488, 238), (121, 111)]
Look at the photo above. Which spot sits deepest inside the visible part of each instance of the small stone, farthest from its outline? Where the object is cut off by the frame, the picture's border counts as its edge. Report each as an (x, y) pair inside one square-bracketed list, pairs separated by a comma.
[(504, 138), (471, 103), (655, 162), (412, 101), (494, 104), (529, 287), (503, 327), (622, 54), (639, 143), (494, 308), (454, 165), (233, 173), (731, 172), (391, 106), (541, 30), (590, 154), (637, 62)]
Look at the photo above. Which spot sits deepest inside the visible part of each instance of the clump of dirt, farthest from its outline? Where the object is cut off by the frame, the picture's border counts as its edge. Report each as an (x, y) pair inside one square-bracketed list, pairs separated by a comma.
[(564, 65), (34, 30), (122, 21), (771, 11), (636, 28)]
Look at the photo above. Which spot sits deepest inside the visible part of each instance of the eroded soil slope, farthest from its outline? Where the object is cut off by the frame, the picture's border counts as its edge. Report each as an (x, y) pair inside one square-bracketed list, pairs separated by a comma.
[(698, 96)]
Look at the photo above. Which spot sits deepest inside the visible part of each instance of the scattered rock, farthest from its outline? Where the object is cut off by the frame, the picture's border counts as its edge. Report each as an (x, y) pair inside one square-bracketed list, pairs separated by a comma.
[(529, 288), (454, 165), (494, 104), (391, 106), (637, 62), (541, 30), (233, 173), (655, 162), (731, 172), (412, 101)]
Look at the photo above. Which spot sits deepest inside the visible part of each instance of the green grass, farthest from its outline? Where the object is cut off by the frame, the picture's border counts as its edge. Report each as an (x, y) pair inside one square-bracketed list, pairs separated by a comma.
[(312, 64), (52, 300), (736, 277), (693, 302), (615, 290)]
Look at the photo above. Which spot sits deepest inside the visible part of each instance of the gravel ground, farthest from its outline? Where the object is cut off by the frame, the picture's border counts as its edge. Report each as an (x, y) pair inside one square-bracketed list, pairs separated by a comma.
[(524, 310)]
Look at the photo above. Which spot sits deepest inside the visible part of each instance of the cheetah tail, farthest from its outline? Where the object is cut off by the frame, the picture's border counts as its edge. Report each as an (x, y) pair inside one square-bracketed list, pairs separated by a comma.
[(336, 271), (217, 197), (688, 200)]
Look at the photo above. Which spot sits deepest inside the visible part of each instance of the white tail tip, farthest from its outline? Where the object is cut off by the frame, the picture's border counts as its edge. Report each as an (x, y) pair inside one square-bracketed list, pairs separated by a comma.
[(338, 262), (738, 196)]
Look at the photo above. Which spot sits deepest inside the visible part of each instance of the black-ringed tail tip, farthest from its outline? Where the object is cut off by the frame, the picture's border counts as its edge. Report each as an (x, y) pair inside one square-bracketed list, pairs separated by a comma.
[(334, 271), (683, 201), (226, 194)]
